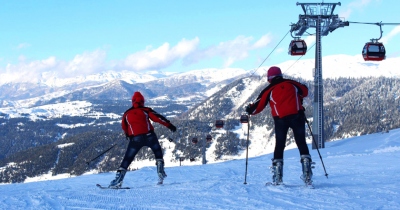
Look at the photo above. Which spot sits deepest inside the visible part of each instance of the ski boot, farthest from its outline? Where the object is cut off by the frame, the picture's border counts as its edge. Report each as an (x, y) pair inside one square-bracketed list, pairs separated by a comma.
[(277, 171), (307, 166), (119, 177), (160, 170)]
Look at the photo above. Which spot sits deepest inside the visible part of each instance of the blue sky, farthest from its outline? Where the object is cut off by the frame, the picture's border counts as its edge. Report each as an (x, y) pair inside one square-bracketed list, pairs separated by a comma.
[(81, 37)]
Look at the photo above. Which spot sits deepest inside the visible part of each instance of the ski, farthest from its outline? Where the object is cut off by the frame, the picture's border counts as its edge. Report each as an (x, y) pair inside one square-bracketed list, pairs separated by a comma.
[(309, 185), (160, 182), (274, 184), (117, 188)]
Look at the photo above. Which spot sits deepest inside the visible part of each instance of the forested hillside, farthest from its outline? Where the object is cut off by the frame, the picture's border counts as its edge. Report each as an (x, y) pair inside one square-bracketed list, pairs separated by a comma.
[(31, 148)]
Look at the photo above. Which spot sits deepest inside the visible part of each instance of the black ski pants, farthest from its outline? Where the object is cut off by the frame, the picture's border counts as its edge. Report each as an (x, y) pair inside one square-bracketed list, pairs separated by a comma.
[(139, 141), (297, 123)]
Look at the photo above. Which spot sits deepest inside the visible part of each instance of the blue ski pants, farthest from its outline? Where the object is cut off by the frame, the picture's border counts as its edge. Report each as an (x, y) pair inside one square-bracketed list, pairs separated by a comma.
[(139, 141), (297, 123)]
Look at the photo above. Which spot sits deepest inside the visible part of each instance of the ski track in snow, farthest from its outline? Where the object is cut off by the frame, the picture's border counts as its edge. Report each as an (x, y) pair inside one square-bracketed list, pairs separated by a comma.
[(363, 174)]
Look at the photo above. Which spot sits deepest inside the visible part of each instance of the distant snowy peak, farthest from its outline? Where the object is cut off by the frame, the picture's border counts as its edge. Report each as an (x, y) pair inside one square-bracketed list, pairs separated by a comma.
[(103, 77), (53, 79), (213, 74), (204, 76), (333, 66)]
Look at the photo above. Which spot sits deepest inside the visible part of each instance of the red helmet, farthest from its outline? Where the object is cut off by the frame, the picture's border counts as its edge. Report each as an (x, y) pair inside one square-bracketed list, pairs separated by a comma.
[(274, 71), (137, 100)]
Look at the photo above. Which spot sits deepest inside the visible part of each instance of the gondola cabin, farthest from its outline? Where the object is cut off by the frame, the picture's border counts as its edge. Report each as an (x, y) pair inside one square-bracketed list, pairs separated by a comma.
[(244, 119), (297, 47), (194, 140), (219, 123), (208, 138), (374, 51)]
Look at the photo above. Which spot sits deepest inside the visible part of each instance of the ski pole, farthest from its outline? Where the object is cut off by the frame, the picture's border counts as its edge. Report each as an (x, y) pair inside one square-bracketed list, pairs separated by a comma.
[(247, 149), (315, 144), (101, 153)]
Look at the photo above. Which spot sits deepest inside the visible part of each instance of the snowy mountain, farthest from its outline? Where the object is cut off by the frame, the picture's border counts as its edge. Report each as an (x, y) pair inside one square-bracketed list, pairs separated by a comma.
[(362, 174), (20, 88), (15, 86), (33, 127), (47, 88)]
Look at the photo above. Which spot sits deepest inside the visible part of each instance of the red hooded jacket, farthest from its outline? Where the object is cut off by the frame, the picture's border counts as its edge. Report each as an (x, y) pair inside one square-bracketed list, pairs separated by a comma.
[(285, 98), (136, 120)]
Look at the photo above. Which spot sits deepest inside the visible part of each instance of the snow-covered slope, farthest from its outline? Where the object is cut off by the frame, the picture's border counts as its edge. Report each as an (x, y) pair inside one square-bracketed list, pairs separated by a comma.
[(363, 174)]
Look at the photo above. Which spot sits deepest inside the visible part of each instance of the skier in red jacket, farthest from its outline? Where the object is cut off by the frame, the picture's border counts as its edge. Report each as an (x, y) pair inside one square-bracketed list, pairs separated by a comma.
[(285, 98), (139, 130)]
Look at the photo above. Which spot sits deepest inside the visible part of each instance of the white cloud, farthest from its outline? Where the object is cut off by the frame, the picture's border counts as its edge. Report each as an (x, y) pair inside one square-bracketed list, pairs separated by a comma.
[(32, 71), (359, 3), (391, 34), (263, 41), (160, 57), (310, 40), (86, 63), (28, 72), (354, 5), (281, 50), (23, 45), (345, 13), (185, 47), (230, 51), (34, 66)]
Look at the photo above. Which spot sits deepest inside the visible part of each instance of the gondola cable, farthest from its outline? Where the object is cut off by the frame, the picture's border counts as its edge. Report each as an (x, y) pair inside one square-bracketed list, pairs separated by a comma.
[(298, 59), (378, 23), (269, 54)]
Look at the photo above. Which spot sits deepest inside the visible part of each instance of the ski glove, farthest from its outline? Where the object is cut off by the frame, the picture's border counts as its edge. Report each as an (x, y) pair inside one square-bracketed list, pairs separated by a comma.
[(172, 128), (248, 109)]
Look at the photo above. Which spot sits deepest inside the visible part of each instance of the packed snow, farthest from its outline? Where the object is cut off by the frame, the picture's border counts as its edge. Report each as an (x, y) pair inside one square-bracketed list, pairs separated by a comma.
[(70, 108), (363, 174)]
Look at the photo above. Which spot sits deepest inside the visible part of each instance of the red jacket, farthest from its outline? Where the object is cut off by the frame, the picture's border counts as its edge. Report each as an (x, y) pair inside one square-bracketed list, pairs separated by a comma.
[(136, 120), (285, 98)]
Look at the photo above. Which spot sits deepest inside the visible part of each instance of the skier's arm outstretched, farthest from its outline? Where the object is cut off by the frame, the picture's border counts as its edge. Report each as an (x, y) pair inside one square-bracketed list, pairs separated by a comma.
[(156, 117), (260, 103)]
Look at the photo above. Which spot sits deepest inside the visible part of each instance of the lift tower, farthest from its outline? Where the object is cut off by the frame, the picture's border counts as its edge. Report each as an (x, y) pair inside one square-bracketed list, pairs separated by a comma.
[(319, 16)]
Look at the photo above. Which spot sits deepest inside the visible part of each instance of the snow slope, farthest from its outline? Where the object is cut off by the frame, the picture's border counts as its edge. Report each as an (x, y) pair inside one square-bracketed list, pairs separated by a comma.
[(363, 174)]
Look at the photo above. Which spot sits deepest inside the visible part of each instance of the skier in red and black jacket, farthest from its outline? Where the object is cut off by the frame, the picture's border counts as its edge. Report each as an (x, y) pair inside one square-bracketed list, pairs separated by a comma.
[(285, 98), (139, 130)]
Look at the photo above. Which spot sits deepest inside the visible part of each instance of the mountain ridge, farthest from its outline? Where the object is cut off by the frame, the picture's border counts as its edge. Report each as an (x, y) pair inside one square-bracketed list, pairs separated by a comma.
[(353, 106), (332, 67)]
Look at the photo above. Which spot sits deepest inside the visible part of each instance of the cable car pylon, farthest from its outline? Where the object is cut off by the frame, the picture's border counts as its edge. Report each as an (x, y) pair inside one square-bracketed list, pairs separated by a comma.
[(319, 16)]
